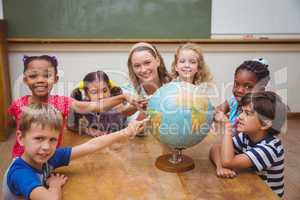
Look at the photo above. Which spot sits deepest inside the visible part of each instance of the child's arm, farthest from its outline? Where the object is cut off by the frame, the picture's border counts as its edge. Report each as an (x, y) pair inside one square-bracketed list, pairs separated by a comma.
[(106, 103), (126, 110), (215, 157), (54, 192), (98, 143), (224, 107), (228, 157)]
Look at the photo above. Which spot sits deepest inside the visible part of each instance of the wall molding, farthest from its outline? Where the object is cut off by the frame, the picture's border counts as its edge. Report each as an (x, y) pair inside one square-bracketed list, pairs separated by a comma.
[(163, 47)]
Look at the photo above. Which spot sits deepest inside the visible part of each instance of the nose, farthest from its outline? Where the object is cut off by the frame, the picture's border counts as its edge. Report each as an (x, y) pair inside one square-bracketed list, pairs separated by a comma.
[(241, 116), (143, 69), (186, 64), (40, 79), (240, 90), (100, 96), (46, 145)]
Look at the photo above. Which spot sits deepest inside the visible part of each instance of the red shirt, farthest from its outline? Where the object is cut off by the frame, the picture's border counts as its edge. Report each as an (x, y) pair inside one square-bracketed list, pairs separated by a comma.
[(61, 103)]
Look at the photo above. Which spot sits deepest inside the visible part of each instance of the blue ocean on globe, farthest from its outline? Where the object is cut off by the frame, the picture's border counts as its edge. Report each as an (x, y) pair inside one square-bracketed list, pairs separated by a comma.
[(180, 113)]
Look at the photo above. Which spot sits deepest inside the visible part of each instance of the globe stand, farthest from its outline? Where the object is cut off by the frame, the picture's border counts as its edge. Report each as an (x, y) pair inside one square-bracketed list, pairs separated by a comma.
[(175, 162)]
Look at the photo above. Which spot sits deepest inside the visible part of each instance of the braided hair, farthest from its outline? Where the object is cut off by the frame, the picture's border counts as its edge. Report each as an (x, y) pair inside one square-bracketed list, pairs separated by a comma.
[(51, 59), (259, 67)]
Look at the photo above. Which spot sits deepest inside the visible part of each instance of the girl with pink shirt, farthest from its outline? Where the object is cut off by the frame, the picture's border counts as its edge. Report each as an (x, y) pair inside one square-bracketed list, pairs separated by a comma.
[(40, 74)]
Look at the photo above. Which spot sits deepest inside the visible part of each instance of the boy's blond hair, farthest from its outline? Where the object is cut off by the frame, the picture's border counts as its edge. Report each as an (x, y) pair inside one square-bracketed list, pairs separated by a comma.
[(204, 75), (41, 114)]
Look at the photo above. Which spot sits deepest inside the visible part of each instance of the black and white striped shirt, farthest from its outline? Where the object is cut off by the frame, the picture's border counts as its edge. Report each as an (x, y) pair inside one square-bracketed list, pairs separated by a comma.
[(267, 157)]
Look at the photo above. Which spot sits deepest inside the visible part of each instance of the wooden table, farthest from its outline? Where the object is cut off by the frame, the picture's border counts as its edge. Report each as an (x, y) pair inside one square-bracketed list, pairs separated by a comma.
[(126, 171)]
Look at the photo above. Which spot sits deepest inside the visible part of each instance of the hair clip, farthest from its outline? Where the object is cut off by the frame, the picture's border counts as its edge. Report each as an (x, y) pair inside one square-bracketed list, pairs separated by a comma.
[(80, 85), (111, 84), (53, 58), (262, 61), (25, 57)]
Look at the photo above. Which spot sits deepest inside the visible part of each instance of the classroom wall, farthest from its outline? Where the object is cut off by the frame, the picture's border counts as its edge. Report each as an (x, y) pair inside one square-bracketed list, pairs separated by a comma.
[(74, 64), (1, 9), (77, 60)]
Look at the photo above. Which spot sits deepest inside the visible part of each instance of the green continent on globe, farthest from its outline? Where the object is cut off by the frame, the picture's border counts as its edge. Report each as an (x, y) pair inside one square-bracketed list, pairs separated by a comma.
[(155, 121), (198, 106)]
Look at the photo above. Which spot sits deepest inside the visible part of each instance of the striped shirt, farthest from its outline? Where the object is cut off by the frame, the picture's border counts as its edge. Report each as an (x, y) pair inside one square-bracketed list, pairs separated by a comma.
[(267, 157)]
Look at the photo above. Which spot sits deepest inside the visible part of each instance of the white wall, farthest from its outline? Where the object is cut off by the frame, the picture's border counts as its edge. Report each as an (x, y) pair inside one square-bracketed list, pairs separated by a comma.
[(1, 10), (284, 67)]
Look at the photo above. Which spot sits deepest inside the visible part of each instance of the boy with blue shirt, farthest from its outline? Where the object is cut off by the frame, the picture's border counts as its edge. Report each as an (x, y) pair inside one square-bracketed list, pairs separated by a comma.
[(256, 146), (29, 176)]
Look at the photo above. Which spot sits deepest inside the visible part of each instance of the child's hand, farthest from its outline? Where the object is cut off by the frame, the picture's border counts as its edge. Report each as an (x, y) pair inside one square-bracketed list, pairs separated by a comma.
[(225, 173), (135, 127), (57, 180), (139, 102), (221, 122), (220, 116)]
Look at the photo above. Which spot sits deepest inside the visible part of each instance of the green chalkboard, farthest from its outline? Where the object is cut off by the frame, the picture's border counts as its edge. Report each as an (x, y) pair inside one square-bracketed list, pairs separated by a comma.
[(108, 19)]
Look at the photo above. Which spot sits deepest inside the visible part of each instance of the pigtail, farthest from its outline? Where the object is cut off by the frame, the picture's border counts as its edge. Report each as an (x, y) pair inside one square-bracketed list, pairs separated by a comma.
[(77, 94), (115, 91)]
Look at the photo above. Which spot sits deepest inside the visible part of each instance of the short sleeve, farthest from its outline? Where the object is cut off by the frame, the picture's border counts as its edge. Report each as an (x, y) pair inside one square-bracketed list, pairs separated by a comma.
[(12, 109), (21, 182), (61, 157), (62, 103), (238, 142), (128, 89), (262, 157)]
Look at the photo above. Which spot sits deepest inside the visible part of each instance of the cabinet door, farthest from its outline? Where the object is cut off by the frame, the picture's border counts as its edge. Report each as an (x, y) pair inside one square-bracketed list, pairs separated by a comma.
[(5, 93)]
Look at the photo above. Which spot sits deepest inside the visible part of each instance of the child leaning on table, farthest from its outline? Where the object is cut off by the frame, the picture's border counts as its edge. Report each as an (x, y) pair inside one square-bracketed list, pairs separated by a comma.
[(256, 146), (30, 176)]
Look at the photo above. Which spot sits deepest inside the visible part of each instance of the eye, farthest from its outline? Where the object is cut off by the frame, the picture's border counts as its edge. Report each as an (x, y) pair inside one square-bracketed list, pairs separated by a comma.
[(248, 86), (181, 61), (53, 140), (194, 61), (136, 66), (32, 76), (38, 139), (147, 62), (93, 92)]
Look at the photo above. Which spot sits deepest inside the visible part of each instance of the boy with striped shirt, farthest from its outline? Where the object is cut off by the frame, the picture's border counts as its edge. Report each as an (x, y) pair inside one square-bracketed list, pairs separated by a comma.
[(256, 145)]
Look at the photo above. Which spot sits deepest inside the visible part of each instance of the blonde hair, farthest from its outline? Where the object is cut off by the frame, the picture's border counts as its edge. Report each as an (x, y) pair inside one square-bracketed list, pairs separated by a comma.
[(201, 76), (164, 76), (44, 115)]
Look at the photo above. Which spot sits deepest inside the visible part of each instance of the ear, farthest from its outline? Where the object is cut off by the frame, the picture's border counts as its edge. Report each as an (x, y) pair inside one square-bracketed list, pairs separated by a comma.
[(158, 61), (266, 124), (20, 138), (56, 79), (176, 68), (24, 79)]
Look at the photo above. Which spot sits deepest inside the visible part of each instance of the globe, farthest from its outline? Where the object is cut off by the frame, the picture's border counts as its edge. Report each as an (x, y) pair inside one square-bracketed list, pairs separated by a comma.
[(180, 113)]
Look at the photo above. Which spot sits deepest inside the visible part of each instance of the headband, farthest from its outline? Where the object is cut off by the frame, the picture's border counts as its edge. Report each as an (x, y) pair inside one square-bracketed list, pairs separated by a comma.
[(142, 44)]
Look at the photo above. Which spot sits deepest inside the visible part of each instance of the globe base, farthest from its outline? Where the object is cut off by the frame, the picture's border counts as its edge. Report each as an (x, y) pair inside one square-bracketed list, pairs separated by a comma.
[(166, 163)]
